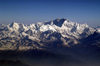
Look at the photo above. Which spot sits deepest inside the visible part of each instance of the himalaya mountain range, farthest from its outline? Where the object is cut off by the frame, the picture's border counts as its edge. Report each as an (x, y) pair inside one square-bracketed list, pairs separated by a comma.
[(53, 34), (58, 42)]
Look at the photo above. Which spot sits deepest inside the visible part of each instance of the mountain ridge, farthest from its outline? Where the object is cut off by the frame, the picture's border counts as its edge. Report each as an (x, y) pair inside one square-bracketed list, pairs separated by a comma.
[(59, 32)]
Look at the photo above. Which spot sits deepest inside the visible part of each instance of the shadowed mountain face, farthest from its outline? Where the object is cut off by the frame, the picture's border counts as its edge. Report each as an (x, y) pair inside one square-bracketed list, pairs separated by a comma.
[(59, 22), (55, 43)]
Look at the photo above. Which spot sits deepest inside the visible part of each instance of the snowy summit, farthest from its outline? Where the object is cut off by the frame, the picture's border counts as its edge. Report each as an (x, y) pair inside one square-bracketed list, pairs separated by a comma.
[(43, 34)]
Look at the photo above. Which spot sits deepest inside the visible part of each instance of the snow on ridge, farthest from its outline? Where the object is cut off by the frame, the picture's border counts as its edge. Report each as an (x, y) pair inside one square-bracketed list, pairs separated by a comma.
[(62, 29), (66, 27)]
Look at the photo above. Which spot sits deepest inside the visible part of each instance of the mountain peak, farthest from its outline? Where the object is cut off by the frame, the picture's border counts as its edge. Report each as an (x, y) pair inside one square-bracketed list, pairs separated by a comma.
[(58, 19), (59, 22), (14, 25), (98, 29)]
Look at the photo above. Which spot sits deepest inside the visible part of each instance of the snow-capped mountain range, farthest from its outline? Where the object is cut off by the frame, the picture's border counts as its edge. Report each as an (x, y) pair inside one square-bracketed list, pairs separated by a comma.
[(55, 33)]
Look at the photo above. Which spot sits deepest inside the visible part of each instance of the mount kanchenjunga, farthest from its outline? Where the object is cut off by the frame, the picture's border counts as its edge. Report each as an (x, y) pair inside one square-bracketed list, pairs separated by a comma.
[(55, 33)]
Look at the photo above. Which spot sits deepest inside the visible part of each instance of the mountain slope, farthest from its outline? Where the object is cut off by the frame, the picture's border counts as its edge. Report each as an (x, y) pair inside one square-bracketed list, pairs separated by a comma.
[(42, 35)]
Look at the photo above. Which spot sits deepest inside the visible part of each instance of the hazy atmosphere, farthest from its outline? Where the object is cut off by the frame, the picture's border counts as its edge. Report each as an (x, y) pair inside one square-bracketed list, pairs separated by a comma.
[(30, 11), (49, 32)]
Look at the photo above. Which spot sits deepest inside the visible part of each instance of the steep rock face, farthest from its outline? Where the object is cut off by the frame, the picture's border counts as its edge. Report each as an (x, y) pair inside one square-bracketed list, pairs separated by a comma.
[(59, 32), (93, 39)]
